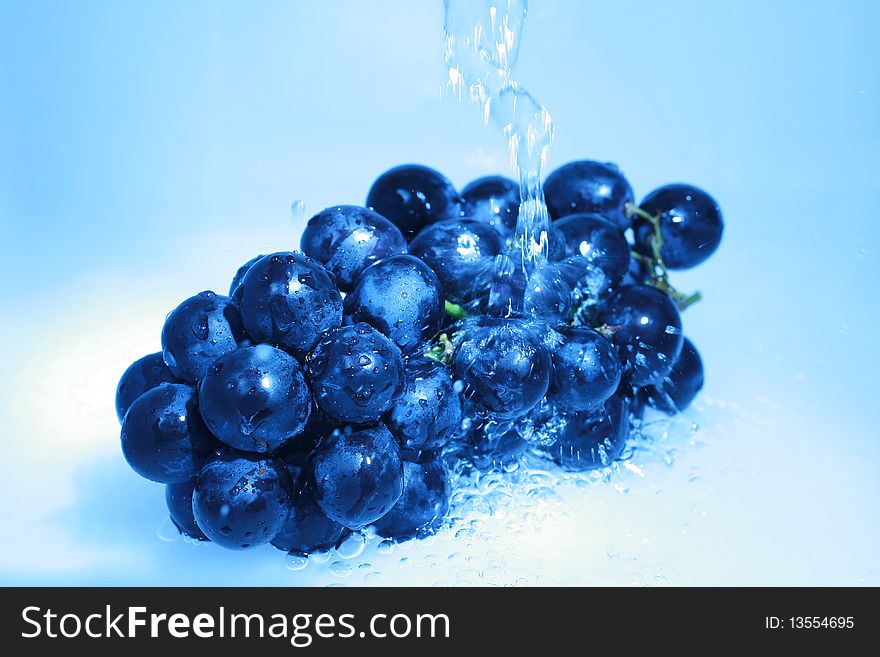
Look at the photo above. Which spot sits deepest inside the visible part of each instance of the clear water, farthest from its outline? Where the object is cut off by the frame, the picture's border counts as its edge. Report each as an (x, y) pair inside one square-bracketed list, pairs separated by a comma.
[(122, 194), (482, 40)]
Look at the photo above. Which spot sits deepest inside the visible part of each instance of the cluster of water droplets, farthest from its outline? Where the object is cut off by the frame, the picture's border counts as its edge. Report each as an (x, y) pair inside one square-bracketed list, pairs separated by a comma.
[(482, 39), (505, 522)]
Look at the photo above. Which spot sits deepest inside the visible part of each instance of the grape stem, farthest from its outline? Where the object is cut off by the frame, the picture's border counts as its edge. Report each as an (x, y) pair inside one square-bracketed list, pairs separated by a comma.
[(656, 266), (607, 330), (456, 311), (441, 351)]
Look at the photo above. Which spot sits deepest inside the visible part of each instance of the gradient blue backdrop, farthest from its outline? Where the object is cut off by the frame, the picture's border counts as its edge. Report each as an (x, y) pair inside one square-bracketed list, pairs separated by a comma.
[(148, 148)]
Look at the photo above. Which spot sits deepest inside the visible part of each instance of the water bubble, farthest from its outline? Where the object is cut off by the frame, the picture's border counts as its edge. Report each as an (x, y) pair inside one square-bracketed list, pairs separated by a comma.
[(320, 556), (372, 577), (352, 547), (385, 547), (341, 569), (168, 531), (296, 561)]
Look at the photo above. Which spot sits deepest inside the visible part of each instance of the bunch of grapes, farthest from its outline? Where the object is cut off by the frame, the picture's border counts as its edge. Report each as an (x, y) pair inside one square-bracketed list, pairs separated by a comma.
[(334, 387)]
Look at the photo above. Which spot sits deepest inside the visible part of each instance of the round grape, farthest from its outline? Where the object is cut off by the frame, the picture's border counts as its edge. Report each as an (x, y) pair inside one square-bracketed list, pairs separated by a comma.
[(241, 500), (163, 436), (347, 239), (412, 196), (690, 224), (646, 329), (357, 476), (462, 254), (288, 300), (255, 399), (588, 186), (497, 447), (588, 441), (429, 411), (586, 370), (402, 297), (504, 365), (356, 373), (598, 243), (199, 330)]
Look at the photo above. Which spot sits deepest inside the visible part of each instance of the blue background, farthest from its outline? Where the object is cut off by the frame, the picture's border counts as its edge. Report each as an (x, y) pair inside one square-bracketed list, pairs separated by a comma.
[(148, 148)]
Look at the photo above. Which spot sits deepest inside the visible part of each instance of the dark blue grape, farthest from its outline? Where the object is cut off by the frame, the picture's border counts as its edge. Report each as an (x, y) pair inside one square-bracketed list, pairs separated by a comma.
[(423, 504), (690, 223), (586, 370), (429, 411), (493, 200), (356, 476), (241, 499), (235, 287), (587, 441), (199, 330), (497, 447), (142, 375), (163, 436), (588, 186), (412, 196), (307, 528), (256, 398), (646, 331), (504, 366), (598, 243), (288, 300), (462, 254), (347, 239), (402, 297), (356, 373), (677, 389), (178, 499)]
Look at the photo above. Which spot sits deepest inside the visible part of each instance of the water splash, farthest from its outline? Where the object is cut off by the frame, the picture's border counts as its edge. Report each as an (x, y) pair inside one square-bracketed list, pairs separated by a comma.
[(297, 210), (482, 44)]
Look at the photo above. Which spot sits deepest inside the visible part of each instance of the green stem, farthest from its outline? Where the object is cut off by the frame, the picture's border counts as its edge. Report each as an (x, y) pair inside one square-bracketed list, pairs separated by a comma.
[(456, 311), (442, 350), (634, 210), (658, 271)]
